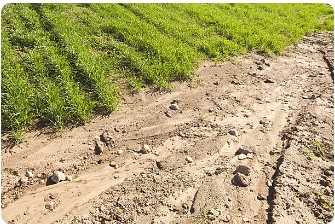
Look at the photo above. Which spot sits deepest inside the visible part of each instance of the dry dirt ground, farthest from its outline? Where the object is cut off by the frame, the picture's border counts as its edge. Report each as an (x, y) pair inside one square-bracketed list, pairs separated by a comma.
[(275, 167)]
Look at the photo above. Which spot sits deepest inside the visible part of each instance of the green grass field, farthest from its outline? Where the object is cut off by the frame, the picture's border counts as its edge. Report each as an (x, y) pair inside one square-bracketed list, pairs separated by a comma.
[(61, 63)]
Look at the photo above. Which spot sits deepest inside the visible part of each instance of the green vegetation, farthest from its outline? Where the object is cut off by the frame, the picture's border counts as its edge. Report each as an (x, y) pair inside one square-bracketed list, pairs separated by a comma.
[(314, 147), (204, 218), (324, 201), (61, 62)]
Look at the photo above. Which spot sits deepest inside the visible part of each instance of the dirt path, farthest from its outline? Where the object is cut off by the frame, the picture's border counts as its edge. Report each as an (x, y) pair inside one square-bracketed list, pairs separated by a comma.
[(282, 112)]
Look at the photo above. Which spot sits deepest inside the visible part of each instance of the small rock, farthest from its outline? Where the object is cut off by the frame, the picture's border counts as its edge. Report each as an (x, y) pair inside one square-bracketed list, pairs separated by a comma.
[(22, 181), (57, 176), (328, 172), (29, 174), (98, 149), (106, 137), (225, 218), (250, 156), (242, 151), (305, 97), (218, 170), (112, 164), (324, 183), (211, 217), (242, 169), (119, 152), (242, 156), (268, 81), (174, 106), (189, 159), (68, 178), (168, 113), (210, 110), (269, 183), (85, 157), (260, 197), (50, 206), (216, 83), (245, 219), (185, 206), (241, 180), (233, 132), (175, 101), (145, 149), (213, 212)]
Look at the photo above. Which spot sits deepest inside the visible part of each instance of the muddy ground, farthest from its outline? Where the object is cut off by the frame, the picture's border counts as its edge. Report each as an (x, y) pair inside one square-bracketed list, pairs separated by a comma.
[(251, 141)]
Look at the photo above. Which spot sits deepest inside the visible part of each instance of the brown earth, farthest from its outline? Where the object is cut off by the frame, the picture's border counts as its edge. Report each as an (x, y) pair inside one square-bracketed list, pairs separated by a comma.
[(281, 107)]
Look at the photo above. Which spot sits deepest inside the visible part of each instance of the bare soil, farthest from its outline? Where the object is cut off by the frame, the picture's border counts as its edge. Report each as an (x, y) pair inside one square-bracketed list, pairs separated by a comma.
[(282, 109)]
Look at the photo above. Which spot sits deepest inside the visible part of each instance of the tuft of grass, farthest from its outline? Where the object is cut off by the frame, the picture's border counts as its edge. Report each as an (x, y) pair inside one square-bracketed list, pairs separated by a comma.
[(61, 63), (324, 201), (203, 219), (315, 147)]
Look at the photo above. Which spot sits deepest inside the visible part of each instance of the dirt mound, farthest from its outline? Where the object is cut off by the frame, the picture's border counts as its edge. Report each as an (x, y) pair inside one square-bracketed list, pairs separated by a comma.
[(248, 141)]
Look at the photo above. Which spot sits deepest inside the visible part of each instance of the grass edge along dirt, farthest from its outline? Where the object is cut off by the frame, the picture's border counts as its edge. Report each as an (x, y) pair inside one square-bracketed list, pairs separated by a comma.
[(61, 62)]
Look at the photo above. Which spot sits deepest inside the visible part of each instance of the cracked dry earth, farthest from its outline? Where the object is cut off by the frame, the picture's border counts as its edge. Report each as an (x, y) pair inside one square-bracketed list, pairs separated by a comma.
[(251, 141)]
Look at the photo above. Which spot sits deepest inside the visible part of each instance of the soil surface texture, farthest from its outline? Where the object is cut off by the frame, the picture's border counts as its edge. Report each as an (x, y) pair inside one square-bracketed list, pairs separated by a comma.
[(247, 141)]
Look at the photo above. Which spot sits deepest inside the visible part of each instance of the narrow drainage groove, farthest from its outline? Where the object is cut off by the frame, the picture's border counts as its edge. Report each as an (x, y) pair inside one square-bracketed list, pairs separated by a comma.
[(272, 189), (330, 66)]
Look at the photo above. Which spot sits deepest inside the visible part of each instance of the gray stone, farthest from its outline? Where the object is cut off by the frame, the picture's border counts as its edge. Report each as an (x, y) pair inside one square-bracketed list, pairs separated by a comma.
[(225, 218), (213, 212), (98, 149), (29, 174), (268, 81), (189, 159), (242, 151), (168, 113), (106, 137), (242, 156), (241, 180), (260, 197), (242, 169), (174, 106), (233, 132), (112, 164), (145, 149), (57, 176)]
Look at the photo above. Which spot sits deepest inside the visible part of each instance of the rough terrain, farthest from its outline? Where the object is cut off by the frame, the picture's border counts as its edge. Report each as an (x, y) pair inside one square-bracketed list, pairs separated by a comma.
[(247, 141)]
